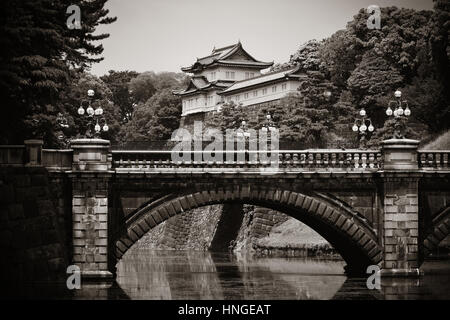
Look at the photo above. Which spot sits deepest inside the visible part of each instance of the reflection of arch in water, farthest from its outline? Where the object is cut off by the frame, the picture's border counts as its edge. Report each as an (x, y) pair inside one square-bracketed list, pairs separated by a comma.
[(142, 274), (205, 279), (204, 275), (154, 274), (228, 272), (345, 230), (293, 278)]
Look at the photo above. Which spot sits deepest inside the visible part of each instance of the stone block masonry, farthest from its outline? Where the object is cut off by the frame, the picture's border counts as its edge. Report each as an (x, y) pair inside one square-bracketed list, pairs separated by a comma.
[(192, 230), (401, 226), (257, 223), (90, 231), (35, 218), (201, 228)]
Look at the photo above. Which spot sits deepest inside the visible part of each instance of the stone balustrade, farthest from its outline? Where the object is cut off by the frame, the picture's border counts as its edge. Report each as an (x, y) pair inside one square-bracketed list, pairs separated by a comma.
[(297, 159), (433, 159), (331, 159), (324, 159)]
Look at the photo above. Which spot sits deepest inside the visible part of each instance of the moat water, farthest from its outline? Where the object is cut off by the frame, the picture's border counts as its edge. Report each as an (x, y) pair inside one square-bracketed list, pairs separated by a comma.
[(147, 274)]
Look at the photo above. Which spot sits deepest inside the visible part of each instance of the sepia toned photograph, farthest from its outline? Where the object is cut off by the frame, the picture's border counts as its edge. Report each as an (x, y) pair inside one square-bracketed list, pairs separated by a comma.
[(240, 153)]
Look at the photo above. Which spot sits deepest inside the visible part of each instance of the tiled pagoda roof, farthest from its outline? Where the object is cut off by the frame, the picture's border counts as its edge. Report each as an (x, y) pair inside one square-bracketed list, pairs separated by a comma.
[(226, 56)]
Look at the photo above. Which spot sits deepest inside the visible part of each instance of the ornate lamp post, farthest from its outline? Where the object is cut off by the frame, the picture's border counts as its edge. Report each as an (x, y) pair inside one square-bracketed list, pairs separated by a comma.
[(269, 125), (96, 121), (62, 123), (327, 94), (269, 128), (400, 113), (242, 132), (61, 120), (363, 126)]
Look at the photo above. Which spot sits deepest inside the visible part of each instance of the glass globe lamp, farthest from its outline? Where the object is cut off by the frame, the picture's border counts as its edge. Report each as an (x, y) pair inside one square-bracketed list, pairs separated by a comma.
[(362, 113), (407, 112), (90, 111)]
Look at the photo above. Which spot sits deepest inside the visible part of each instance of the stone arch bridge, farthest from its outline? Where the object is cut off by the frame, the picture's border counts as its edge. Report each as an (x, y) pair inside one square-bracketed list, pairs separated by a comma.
[(388, 207)]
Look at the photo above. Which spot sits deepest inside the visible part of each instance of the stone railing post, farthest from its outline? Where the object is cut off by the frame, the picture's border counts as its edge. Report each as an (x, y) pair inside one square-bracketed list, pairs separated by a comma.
[(400, 178), (33, 152), (90, 181)]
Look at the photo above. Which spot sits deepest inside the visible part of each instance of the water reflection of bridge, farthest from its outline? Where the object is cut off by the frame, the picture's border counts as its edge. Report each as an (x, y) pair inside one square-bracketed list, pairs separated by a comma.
[(147, 274)]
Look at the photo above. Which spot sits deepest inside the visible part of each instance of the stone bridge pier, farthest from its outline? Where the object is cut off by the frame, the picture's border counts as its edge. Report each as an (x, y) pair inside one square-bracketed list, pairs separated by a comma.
[(90, 178), (400, 194), (92, 175)]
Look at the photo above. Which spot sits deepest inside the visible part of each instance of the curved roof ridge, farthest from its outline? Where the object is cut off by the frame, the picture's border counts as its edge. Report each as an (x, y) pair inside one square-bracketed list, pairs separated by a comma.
[(215, 50), (232, 50), (211, 55)]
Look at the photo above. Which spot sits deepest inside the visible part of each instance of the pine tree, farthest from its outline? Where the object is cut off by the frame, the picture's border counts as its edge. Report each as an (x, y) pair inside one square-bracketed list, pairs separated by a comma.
[(39, 56)]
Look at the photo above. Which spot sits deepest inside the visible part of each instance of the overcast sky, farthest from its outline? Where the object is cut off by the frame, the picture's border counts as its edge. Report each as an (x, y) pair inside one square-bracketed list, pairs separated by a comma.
[(164, 35)]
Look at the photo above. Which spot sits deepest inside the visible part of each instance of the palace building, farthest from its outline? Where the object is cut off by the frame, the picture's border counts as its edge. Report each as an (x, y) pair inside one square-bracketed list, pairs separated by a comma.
[(232, 74)]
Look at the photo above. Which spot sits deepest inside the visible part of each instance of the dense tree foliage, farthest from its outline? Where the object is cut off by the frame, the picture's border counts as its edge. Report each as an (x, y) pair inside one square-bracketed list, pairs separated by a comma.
[(39, 56), (146, 84), (365, 66), (118, 82), (129, 118), (158, 111), (155, 119), (409, 52)]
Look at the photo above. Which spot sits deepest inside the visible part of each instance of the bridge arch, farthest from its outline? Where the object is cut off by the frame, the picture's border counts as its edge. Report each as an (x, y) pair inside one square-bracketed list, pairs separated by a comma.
[(439, 231), (344, 229)]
